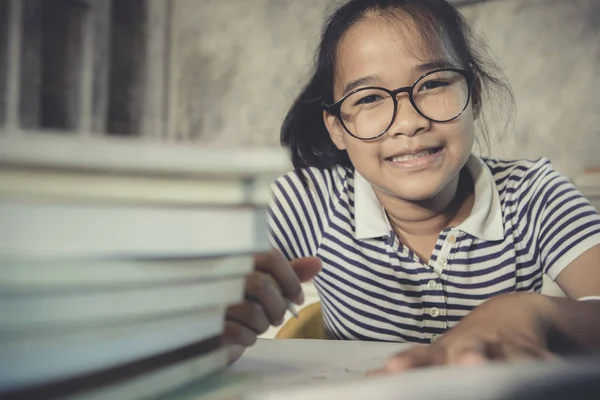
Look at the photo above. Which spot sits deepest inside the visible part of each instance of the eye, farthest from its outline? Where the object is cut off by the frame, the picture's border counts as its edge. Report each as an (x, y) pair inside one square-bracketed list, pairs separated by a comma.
[(434, 84), (372, 98)]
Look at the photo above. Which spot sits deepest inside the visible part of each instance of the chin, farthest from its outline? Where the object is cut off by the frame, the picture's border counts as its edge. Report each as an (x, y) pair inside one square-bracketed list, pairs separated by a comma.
[(417, 191), (418, 195)]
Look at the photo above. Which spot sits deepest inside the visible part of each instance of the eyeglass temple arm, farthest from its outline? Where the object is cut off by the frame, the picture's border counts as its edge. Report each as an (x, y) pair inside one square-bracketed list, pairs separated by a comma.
[(330, 108)]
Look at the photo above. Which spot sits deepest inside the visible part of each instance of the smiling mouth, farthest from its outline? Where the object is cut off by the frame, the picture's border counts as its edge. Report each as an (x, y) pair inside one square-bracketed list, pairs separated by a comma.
[(415, 156)]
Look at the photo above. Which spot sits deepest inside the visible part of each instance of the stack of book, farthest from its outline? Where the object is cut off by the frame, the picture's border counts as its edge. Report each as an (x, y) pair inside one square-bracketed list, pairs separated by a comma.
[(118, 261)]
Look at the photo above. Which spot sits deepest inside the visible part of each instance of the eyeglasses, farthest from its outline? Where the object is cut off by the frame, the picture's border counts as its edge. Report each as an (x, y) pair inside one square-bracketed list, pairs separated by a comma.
[(441, 95)]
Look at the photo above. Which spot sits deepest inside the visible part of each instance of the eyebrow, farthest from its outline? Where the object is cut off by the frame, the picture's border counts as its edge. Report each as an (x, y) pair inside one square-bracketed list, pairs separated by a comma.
[(365, 80), (431, 65), (421, 68)]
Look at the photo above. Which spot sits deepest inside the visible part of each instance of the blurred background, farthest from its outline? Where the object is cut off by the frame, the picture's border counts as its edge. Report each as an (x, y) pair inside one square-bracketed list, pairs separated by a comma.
[(220, 74), (223, 72)]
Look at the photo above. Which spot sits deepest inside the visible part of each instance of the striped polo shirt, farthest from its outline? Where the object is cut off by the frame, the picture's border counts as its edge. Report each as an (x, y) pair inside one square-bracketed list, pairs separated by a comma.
[(527, 220)]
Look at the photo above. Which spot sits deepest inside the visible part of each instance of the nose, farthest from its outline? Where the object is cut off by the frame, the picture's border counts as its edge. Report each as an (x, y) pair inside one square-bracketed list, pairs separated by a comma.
[(407, 121)]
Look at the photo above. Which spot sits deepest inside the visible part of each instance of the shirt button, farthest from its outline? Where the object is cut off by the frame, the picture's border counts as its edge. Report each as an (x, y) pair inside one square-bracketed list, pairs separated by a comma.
[(452, 239), (431, 284), (442, 261), (433, 338), (434, 312)]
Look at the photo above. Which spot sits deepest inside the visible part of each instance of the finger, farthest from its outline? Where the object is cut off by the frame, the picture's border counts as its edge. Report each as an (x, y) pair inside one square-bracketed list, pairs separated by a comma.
[(261, 289), (469, 357), (306, 268), (416, 357), (234, 352), (467, 352), (250, 314), (236, 333), (520, 352), (273, 263)]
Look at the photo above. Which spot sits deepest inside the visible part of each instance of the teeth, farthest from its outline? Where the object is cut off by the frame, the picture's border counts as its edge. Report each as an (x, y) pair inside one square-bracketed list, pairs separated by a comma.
[(409, 157)]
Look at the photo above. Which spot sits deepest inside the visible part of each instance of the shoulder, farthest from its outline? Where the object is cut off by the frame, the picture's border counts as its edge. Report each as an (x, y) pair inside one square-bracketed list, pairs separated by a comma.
[(518, 169), (301, 208), (519, 177), (321, 184)]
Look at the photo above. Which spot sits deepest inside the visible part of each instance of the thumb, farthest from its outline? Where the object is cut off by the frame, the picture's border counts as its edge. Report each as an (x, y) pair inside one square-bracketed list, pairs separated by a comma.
[(306, 268)]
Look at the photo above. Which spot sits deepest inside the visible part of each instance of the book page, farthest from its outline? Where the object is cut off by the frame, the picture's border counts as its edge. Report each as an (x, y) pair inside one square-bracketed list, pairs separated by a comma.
[(283, 362)]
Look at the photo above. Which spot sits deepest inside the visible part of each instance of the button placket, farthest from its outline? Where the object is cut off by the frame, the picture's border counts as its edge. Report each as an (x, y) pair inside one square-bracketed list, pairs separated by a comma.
[(442, 258), (435, 317), (434, 310)]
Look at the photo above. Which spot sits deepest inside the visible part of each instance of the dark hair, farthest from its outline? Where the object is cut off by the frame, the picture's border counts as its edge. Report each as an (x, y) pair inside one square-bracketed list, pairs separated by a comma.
[(304, 132)]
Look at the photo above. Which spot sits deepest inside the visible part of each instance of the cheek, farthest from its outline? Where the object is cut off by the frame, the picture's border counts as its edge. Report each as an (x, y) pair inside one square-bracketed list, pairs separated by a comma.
[(467, 124), (364, 155), (461, 132)]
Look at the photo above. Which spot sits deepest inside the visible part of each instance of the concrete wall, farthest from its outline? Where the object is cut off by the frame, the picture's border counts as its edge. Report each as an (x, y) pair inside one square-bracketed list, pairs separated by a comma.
[(237, 65), (550, 51)]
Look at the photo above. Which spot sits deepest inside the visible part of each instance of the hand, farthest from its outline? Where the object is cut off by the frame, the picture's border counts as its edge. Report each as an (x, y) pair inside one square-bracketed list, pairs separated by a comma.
[(273, 281), (509, 327)]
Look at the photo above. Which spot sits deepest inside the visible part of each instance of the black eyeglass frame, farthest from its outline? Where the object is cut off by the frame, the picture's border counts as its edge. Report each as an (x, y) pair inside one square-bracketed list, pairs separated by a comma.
[(335, 108)]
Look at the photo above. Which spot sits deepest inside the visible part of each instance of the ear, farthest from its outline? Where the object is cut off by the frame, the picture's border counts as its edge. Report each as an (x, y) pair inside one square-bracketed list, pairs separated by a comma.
[(335, 129), (476, 98)]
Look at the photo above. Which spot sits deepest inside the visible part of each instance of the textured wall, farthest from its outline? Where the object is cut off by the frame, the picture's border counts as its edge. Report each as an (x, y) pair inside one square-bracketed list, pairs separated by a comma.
[(238, 64), (550, 51)]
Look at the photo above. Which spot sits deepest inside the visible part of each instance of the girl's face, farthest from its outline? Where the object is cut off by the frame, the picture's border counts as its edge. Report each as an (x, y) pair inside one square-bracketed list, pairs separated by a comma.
[(416, 158)]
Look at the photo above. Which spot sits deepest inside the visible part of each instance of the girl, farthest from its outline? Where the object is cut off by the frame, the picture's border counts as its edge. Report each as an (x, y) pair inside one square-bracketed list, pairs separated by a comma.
[(421, 240)]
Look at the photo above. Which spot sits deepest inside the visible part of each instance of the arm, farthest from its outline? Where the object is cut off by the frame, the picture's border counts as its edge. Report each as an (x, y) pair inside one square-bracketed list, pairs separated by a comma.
[(569, 243), (512, 327), (521, 325), (295, 226), (576, 324)]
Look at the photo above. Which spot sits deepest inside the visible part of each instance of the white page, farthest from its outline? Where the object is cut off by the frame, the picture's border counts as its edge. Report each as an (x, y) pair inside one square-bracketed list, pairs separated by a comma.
[(296, 369), (284, 362)]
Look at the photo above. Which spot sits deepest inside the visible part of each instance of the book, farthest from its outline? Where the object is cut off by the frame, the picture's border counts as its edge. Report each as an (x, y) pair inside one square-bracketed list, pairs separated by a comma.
[(27, 276), (118, 260), (158, 384), (22, 314), (61, 354), (86, 187), (51, 167), (48, 150), (43, 231)]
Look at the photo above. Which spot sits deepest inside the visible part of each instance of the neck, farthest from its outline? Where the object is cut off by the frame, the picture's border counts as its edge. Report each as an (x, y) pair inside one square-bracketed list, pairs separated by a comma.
[(429, 217)]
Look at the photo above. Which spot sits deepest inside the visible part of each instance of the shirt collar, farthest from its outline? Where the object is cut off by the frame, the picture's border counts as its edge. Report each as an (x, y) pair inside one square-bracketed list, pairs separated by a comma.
[(485, 221)]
